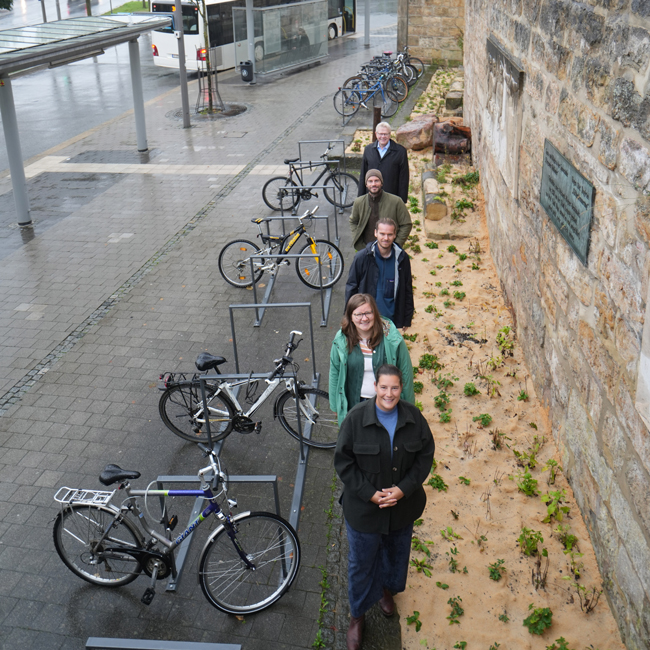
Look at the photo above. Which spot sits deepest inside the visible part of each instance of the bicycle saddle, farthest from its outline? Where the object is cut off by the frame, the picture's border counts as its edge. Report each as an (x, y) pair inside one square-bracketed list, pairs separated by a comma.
[(288, 161), (113, 473), (207, 361)]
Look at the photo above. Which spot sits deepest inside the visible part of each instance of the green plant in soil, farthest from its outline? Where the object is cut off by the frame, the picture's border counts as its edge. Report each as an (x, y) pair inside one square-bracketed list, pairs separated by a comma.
[(432, 245), (444, 382), (559, 644), (539, 619), (459, 295), (526, 483), (418, 545), (414, 618), (422, 566), (456, 283), (504, 617), (430, 362), (462, 257), (461, 645), (496, 569), (494, 646), (449, 303), (445, 416), (444, 292), (418, 386), (437, 483), (452, 249), (441, 401), (568, 540), (523, 396), (495, 362), (588, 597), (529, 541), (554, 508), (456, 610), (449, 534), (505, 341), (433, 272), (475, 267), (429, 308), (419, 405), (434, 465), (464, 481), (491, 385), (470, 179), (442, 585), (497, 438), (575, 567), (471, 390), (484, 419), (553, 467), (418, 522), (410, 337)]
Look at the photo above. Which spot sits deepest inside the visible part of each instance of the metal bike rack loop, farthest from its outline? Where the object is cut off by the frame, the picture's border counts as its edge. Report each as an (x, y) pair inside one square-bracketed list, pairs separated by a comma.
[(293, 211)]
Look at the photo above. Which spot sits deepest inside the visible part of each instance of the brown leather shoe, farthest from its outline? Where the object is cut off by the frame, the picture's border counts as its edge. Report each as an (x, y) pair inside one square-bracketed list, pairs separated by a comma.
[(355, 632), (387, 604)]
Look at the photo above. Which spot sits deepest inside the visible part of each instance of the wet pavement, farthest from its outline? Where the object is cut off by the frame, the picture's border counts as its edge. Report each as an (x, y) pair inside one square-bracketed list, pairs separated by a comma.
[(118, 282)]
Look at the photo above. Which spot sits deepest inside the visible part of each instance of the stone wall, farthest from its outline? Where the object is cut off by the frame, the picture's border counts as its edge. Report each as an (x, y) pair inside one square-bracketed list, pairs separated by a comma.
[(432, 29), (584, 86)]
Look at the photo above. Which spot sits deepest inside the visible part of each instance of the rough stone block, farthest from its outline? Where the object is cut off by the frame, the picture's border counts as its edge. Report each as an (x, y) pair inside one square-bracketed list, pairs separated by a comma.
[(587, 23), (574, 272), (614, 442), (557, 59), (642, 217), (580, 120), (639, 485), (553, 17), (623, 288), (535, 84), (597, 77), (628, 345), (416, 134), (604, 314), (634, 164), (598, 358), (636, 429), (453, 100), (609, 139)]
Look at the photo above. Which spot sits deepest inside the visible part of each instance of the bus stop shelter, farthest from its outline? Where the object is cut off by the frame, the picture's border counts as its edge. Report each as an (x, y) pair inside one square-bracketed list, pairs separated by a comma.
[(48, 45)]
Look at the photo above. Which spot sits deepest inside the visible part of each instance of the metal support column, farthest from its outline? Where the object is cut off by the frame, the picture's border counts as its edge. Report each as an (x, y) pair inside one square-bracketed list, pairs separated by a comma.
[(138, 96), (366, 17), (14, 153), (250, 35), (58, 10), (182, 70), (43, 10)]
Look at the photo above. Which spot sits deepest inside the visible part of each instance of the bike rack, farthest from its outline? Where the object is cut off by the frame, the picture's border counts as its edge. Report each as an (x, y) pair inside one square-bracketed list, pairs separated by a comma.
[(104, 643), (329, 143), (325, 293), (294, 218)]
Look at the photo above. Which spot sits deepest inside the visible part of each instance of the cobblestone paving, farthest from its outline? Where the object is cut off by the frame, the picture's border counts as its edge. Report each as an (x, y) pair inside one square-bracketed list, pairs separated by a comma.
[(125, 285)]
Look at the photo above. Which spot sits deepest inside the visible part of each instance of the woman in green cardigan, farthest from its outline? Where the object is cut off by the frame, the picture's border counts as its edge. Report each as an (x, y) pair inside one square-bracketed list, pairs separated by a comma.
[(363, 344)]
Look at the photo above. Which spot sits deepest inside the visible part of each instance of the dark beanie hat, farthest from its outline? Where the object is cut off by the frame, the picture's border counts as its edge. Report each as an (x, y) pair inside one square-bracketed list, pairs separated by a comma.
[(374, 172)]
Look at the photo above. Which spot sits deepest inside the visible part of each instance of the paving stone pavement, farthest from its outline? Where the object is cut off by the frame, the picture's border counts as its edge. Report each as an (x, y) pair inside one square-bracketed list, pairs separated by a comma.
[(117, 283)]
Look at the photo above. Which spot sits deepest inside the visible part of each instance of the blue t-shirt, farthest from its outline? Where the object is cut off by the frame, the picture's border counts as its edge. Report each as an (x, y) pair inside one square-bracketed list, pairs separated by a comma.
[(385, 296), (389, 421)]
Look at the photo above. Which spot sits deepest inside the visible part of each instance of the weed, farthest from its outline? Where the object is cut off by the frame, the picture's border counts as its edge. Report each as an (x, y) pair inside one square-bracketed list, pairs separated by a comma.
[(429, 309), (462, 257), (437, 483), (495, 362), (438, 284), (498, 475), (559, 644), (449, 327), (459, 295), (418, 386), (430, 362), (496, 569), (441, 401), (475, 267), (539, 619), (434, 465), (419, 405), (449, 534), (454, 514), (433, 271), (452, 249), (554, 507), (464, 481), (449, 303), (444, 292), (456, 610), (464, 205), (318, 641), (445, 416), (416, 249), (444, 382), (442, 585), (523, 396), (526, 483), (418, 522), (568, 540), (574, 566), (470, 325), (588, 597), (460, 644), (422, 566), (505, 341), (456, 283), (418, 545), (526, 458), (440, 266), (504, 617), (410, 337), (470, 390), (432, 245), (474, 247), (413, 205), (540, 574), (553, 467), (529, 541), (416, 222), (414, 618), (491, 385), (484, 419), (497, 436), (470, 179)]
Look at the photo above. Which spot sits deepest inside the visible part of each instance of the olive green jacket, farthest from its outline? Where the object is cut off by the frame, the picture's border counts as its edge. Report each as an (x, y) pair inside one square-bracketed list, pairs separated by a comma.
[(366, 463), (389, 206)]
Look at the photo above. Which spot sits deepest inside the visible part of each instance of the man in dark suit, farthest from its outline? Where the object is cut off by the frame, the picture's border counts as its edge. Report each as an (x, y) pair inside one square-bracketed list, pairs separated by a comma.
[(390, 159)]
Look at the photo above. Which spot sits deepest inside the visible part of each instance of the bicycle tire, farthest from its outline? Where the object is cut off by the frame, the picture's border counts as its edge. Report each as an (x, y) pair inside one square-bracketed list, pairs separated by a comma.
[(234, 263), (346, 102), (341, 181), (418, 64), (279, 193), (325, 426), (78, 527), (332, 265), (390, 104), (397, 84), (270, 543), (181, 410), (412, 73)]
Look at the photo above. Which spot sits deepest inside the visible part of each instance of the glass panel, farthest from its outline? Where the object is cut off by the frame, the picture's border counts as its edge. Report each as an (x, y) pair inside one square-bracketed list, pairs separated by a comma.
[(190, 17)]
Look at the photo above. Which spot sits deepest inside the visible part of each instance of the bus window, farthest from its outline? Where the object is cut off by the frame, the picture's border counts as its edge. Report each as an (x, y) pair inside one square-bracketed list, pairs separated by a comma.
[(190, 17)]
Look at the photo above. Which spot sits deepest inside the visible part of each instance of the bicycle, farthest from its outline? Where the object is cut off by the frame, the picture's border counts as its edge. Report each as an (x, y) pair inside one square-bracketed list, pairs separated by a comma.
[(324, 270), (286, 192), (247, 563), (183, 412), (349, 99)]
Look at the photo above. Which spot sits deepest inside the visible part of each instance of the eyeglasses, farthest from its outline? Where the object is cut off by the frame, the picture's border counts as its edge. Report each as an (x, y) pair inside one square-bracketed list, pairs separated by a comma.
[(366, 314)]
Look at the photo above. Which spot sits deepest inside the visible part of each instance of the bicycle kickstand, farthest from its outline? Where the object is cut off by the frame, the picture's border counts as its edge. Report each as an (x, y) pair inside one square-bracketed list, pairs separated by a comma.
[(150, 591)]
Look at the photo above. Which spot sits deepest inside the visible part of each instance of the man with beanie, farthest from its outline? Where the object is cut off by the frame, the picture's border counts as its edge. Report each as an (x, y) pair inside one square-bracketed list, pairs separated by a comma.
[(375, 205), (390, 159)]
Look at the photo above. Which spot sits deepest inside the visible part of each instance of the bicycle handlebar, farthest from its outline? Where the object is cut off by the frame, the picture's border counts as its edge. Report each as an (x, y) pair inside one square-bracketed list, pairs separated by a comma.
[(308, 213)]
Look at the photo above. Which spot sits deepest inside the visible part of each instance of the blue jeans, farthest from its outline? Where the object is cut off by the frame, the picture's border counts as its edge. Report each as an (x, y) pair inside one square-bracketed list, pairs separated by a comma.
[(376, 561)]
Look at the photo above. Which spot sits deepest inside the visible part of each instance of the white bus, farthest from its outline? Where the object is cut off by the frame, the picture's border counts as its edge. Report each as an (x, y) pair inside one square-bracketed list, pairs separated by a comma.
[(220, 30)]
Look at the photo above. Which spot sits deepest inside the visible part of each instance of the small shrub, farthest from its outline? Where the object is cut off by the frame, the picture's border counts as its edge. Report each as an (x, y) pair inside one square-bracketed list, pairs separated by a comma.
[(496, 569), (456, 610), (471, 390), (527, 484), (459, 295), (484, 419), (539, 619), (430, 362), (441, 401), (529, 541), (437, 483), (432, 245), (452, 249), (445, 416), (417, 386)]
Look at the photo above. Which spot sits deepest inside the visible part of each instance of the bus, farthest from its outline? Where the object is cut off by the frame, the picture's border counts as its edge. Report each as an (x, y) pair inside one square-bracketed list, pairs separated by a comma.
[(221, 34)]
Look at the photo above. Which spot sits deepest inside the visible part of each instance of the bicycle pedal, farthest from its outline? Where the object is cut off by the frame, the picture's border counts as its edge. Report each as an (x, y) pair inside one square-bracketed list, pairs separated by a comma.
[(148, 596), (171, 524), (258, 427), (363, 104)]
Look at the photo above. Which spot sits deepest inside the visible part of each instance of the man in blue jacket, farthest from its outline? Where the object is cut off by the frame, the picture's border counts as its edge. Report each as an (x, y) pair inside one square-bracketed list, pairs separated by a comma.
[(383, 270)]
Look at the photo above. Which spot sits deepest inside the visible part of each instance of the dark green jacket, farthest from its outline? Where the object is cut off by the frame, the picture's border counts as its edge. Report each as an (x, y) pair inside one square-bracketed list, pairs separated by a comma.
[(389, 206), (363, 462)]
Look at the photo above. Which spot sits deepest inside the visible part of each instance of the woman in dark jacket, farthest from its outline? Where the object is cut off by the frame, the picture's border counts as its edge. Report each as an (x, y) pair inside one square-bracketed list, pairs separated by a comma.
[(383, 455)]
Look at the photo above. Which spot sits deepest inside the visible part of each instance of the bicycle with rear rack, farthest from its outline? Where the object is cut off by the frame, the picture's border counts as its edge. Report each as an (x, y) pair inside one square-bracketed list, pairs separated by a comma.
[(241, 262), (247, 563), (184, 411)]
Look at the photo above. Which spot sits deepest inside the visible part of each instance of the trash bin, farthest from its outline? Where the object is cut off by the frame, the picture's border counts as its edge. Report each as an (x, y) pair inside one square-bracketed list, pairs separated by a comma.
[(246, 69)]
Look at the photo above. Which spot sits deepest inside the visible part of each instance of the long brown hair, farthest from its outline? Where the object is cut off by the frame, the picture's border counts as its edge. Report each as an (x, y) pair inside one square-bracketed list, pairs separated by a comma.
[(350, 329)]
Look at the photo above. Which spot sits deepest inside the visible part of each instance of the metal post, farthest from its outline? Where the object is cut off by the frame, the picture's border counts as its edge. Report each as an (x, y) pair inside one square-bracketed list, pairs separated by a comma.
[(182, 70), (14, 153), (58, 10), (366, 39), (250, 35), (138, 96), (43, 10), (89, 11)]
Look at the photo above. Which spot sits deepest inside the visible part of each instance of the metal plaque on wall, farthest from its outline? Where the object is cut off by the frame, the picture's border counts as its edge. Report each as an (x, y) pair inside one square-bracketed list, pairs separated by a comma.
[(568, 198)]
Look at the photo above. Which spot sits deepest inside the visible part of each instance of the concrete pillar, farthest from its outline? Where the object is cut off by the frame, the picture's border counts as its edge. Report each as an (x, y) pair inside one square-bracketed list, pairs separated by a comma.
[(14, 153), (402, 23), (138, 96), (250, 35), (366, 17)]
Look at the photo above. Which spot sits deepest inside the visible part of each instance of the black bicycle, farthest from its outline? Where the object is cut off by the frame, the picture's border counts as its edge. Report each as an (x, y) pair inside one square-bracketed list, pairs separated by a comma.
[(322, 265), (286, 192)]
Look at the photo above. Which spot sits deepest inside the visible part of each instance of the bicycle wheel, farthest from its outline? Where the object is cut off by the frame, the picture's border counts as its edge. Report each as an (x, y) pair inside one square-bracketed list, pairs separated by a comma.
[(181, 410), (347, 102), (341, 189), (411, 74), (279, 193), (270, 543), (324, 423), (78, 528), (398, 86), (331, 265), (235, 265), (390, 104), (417, 64)]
